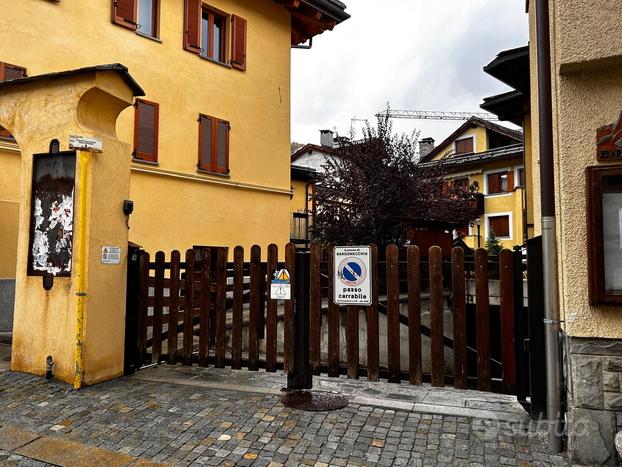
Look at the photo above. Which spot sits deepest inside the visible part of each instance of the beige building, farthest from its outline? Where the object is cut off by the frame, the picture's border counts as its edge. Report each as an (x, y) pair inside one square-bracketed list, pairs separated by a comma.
[(586, 81)]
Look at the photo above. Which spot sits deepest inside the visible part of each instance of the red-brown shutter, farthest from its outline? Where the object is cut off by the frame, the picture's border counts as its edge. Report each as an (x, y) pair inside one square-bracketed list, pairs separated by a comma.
[(493, 184), (146, 131), (464, 146), (238, 42), (222, 146), (124, 13), (192, 25), (510, 180), (500, 225), (9, 72), (206, 139), (445, 186)]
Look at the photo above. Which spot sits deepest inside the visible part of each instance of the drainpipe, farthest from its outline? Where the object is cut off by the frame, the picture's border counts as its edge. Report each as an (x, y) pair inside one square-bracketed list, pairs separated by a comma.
[(549, 247)]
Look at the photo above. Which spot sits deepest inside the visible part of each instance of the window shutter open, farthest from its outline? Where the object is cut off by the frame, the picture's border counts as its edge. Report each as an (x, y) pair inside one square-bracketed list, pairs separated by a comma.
[(192, 25), (146, 131), (222, 147), (124, 13), (205, 142), (9, 72), (510, 180), (493, 184), (238, 43)]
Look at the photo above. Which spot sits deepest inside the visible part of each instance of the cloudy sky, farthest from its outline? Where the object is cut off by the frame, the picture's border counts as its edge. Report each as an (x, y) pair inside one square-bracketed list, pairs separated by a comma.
[(410, 54)]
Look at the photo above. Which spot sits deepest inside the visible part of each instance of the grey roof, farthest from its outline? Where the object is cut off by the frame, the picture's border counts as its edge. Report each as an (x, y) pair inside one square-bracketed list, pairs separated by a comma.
[(470, 160), (116, 67)]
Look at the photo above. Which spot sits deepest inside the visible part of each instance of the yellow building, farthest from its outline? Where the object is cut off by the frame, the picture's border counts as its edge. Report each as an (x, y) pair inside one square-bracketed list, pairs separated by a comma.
[(487, 158), (210, 138)]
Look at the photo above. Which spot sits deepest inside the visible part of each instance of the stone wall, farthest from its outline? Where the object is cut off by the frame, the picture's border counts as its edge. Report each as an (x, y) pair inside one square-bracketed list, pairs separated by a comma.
[(594, 376), (7, 301)]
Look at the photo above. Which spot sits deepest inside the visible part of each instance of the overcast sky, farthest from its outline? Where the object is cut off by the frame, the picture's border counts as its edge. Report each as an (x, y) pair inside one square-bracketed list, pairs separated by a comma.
[(411, 54)]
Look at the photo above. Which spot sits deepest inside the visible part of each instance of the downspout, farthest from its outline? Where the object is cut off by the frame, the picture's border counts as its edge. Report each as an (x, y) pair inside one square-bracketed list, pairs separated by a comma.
[(549, 247)]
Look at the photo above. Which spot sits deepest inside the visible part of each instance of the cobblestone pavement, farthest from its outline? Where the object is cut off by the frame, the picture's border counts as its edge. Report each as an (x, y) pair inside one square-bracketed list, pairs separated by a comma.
[(182, 425)]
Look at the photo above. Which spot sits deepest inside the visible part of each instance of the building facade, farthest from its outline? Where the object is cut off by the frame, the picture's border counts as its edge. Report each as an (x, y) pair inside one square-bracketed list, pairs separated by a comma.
[(487, 158)]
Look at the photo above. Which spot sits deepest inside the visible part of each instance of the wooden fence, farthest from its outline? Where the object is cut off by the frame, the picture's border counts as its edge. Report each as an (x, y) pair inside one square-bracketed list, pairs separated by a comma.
[(208, 311)]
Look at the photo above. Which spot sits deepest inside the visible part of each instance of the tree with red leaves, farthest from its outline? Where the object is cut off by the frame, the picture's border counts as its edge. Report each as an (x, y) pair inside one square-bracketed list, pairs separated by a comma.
[(375, 188)]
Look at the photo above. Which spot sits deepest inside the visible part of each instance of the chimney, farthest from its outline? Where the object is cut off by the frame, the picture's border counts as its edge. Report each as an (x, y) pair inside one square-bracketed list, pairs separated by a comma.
[(425, 146), (327, 138)]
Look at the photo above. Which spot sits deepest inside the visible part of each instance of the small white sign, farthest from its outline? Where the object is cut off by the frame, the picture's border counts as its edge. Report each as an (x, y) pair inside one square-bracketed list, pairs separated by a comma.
[(86, 144), (111, 255), (280, 291), (352, 278)]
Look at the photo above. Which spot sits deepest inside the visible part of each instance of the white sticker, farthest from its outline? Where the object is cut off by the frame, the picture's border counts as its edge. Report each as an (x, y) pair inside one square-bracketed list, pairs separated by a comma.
[(280, 291), (111, 255), (86, 144), (352, 278)]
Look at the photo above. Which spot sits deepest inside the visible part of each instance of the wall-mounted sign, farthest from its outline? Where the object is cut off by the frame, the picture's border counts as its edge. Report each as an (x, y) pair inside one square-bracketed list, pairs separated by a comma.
[(51, 222), (609, 141), (281, 288), (111, 255), (86, 144), (352, 279)]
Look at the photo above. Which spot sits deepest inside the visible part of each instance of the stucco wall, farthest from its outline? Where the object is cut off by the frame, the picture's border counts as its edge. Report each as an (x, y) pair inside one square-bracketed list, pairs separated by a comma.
[(74, 33), (10, 166)]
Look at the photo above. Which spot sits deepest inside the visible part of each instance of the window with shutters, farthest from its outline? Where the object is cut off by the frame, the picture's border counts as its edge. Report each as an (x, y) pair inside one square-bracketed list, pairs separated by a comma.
[(214, 34), (9, 72), (146, 131), (500, 225), (142, 16), (497, 183), (464, 145), (462, 184), (213, 144)]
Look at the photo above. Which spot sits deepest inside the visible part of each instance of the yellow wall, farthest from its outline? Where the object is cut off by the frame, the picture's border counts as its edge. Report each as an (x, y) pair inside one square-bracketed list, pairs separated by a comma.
[(10, 166), (586, 96), (299, 194), (192, 208)]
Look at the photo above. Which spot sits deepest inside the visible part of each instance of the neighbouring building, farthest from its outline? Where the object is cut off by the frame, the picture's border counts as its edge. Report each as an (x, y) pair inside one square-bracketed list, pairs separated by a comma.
[(210, 138), (586, 82), (487, 158)]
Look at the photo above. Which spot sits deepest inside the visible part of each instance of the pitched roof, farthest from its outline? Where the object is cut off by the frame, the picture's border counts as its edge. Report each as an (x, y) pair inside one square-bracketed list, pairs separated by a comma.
[(308, 148), (313, 17), (472, 122), (116, 67), (469, 160)]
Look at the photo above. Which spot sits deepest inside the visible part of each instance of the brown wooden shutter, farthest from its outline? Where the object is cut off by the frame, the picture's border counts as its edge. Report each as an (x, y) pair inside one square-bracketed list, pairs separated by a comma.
[(464, 146), (510, 180), (192, 25), (500, 225), (146, 131), (493, 184), (206, 141), (238, 43), (9, 72), (124, 13), (445, 186), (222, 146)]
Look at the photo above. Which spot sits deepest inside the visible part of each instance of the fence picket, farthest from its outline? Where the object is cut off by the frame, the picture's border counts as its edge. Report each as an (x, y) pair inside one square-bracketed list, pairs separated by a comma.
[(144, 309), (393, 314), (220, 305), (352, 341), (173, 308), (373, 345), (482, 311), (288, 321), (271, 319), (414, 315), (238, 305), (436, 316), (459, 311), (189, 308), (315, 305), (158, 295), (205, 296), (333, 319), (254, 321), (508, 351)]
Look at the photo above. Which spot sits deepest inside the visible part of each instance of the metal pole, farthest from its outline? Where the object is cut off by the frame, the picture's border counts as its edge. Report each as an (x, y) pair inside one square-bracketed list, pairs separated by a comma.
[(549, 247), (301, 376)]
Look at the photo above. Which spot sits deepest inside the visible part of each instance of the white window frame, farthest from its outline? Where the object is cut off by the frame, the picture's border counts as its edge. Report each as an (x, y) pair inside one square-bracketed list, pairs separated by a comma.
[(516, 169), (498, 214), (465, 136), (494, 171)]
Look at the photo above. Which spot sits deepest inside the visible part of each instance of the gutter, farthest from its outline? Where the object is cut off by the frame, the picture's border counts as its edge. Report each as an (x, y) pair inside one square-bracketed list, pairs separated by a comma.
[(549, 241)]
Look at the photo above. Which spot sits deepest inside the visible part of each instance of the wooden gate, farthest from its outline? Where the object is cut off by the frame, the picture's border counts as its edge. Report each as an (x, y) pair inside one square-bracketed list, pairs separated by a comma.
[(446, 322)]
